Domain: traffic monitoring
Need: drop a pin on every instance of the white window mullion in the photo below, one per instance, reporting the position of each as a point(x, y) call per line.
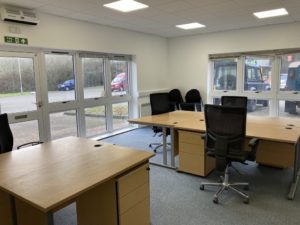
point(79, 96)
point(240, 76)
point(108, 106)
point(44, 96)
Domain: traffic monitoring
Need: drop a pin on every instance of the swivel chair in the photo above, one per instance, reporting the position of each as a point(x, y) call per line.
point(193, 101)
point(175, 98)
point(235, 101)
point(159, 104)
point(224, 140)
point(6, 136)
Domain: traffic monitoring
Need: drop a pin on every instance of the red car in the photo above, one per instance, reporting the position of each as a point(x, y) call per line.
point(120, 82)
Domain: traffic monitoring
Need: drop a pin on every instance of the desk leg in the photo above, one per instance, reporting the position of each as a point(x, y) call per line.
point(172, 147)
point(296, 174)
point(165, 159)
point(7, 209)
point(27, 214)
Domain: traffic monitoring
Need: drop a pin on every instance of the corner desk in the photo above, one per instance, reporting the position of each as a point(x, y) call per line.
point(109, 183)
point(277, 139)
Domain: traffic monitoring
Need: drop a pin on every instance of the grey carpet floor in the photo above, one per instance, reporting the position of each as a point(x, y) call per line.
point(177, 200)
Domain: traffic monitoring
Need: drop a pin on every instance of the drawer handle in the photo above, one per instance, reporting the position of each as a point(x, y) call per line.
point(148, 168)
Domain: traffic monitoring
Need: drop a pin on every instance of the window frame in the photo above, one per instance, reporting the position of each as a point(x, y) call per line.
point(274, 95)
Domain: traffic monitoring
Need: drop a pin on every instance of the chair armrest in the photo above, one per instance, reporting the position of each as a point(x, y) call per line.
point(29, 143)
point(253, 143)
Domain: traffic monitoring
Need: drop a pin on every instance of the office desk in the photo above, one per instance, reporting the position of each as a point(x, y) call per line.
point(278, 137)
point(39, 180)
point(167, 121)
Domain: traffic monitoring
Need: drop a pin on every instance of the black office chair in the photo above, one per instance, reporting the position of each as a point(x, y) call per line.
point(6, 136)
point(159, 104)
point(235, 101)
point(175, 98)
point(224, 140)
point(193, 101)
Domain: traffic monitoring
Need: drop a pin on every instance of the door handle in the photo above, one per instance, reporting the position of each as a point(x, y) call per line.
point(39, 104)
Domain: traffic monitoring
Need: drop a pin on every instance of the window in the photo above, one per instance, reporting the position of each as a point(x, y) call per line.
point(60, 77)
point(120, 115)
point(119, 78)
point(269, 80)
point(225, 72)
point(17, 85)
point(59, 94)
point(93, 76)
point(290, 73)
point(25, 132)
point(95, 120)
point(63, 124)
point(258, 74)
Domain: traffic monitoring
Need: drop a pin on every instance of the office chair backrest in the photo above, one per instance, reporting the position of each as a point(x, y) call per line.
point(235, 101)
point(6, 137)
point(193, 96)
point(193, 101)
point(160, 103)
point(175, 97)
point(225, 132)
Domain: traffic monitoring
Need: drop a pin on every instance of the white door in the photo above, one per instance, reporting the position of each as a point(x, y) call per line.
point(20, 96)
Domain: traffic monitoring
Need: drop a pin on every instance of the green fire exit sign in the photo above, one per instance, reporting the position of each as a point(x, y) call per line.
point(16, 40)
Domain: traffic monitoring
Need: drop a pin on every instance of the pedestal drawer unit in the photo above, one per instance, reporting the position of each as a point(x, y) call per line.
point(192, 158)
point(134, 197)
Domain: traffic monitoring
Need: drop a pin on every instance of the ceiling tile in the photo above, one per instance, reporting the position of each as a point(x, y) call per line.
point(162, 15)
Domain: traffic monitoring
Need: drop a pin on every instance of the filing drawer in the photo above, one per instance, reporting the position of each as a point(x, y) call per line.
point(138, 215)
point(275, 154)
point(191, 137)
point(131, 199)
point(198, 165)
point(131, 181)
point(191, 148)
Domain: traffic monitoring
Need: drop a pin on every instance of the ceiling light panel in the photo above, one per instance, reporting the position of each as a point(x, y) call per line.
point(126, 5)
point(190, 26)
point(271, 13)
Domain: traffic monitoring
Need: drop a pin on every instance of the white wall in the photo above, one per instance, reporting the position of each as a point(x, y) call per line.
point(188, 56)
point(60, 33)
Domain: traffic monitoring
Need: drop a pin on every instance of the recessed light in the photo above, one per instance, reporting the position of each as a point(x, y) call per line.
point(126, 5)
point(271, 13)
point(189, 26)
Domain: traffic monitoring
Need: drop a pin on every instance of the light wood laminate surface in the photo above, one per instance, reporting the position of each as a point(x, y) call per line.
point(51, 174)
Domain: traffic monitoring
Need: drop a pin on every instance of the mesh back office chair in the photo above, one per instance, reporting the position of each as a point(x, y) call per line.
point(175, 98)
point(193, 101)
point(225, 136)
point(235, 101)
point(159, 104)
point(6, 136)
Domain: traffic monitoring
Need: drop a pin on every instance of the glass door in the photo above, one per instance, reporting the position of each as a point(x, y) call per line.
point(61, 95)
point(20, 96)
point(118, 70)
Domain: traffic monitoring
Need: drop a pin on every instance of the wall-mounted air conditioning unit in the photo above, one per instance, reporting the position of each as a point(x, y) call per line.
point(18, 15)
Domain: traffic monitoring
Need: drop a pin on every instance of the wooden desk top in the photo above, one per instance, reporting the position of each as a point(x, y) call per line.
point(266, 128)
point(53, 173)
point(168, 119)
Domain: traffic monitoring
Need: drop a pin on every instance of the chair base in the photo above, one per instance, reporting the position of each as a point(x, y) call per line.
point(225, 185)
point(158, 146)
